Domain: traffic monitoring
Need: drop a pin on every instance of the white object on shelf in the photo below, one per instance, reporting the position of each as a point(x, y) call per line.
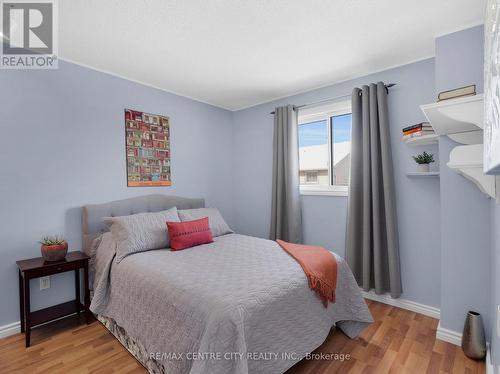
point(462, 119)
point(467, 160)
point(422, 140)
point(420, 174)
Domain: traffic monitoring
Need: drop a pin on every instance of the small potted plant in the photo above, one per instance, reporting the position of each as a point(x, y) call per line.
point(54, 248)
point(423, 160)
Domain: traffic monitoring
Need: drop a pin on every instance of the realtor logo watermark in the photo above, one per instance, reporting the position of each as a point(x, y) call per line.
point(29, 34)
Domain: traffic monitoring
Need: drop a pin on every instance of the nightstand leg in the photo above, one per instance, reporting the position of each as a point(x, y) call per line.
point(26, 283)
point(77, 290)
point(87, 292)
point(21, 300)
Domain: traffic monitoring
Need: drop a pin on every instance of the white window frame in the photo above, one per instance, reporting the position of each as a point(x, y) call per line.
point(324, 112)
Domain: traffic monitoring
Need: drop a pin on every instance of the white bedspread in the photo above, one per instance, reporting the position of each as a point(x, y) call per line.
point(238, 305)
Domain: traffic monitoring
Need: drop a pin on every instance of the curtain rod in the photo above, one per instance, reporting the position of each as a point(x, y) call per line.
point(387, 86)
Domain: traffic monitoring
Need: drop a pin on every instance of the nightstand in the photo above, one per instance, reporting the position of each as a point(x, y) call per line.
point(38, 267)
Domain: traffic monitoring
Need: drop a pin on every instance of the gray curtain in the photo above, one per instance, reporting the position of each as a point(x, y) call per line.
point(286, 216)
point(372, 249)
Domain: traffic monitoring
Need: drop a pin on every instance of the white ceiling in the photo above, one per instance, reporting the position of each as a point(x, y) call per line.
point(238, 53)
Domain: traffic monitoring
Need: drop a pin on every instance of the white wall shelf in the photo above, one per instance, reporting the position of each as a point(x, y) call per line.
point(467, 160)
point(462, 119)
point(422, 140)
point(430, 174)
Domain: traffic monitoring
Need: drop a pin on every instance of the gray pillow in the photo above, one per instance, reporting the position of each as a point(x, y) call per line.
point(141, 232)
point(92, 253)
point(217, 224)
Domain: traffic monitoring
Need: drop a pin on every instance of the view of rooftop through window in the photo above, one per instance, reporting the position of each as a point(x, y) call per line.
point(341, 149)
point(321, 142)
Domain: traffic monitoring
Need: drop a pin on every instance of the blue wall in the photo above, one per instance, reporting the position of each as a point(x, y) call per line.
point(324, 217)
point(62, 146)
point(465, 246)
point(459, 59)
point(320, 225)
point(465, 211)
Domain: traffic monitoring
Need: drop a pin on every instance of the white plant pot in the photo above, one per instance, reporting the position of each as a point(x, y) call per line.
point(423, 168)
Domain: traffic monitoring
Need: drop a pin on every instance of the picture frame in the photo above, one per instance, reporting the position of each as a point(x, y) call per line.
point(491, 161)
point(147, 147)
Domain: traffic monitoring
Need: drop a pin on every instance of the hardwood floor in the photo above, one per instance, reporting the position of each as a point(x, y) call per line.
point(399, 341)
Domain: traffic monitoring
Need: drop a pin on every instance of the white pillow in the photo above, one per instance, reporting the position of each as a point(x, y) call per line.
point(217, 224)
point(141, 232)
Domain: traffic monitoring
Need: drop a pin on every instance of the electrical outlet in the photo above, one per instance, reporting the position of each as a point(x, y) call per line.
point(44, 283)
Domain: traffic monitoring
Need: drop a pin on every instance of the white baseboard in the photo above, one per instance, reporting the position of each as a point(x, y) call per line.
point(449, 336)
point(10, 329)
point(15, 327)
point(403, 304)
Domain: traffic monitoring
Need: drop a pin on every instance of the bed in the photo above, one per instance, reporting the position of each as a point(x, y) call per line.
point(237, 305)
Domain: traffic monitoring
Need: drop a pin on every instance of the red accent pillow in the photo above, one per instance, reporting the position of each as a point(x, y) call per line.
point(189, 233)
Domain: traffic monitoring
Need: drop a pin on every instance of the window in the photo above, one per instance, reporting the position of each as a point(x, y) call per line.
point(325, 148)
point(311, 177)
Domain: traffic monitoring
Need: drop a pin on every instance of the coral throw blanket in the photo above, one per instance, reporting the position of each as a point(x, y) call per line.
point(319, 265)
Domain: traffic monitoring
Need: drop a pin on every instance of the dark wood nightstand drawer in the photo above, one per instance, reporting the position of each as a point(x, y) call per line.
point(50, 269)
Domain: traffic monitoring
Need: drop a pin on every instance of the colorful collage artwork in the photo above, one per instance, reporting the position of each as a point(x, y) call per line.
point(148, 149)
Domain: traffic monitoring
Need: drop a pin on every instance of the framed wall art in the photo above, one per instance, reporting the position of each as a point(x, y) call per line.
point(147, 138)
point(492, 88)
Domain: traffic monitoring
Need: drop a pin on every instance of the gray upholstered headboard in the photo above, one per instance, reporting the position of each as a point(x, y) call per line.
point(92, 214)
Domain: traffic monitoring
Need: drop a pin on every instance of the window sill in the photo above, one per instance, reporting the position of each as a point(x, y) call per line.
point(323, 193)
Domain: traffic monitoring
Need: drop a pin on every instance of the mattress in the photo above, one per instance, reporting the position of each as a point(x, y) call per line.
point(238, 305)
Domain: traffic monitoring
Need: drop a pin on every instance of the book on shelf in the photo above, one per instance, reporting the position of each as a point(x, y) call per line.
point(424, 126)
point(418, 134)
point(457, 92)
point(412, 131)
point(417, 126)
